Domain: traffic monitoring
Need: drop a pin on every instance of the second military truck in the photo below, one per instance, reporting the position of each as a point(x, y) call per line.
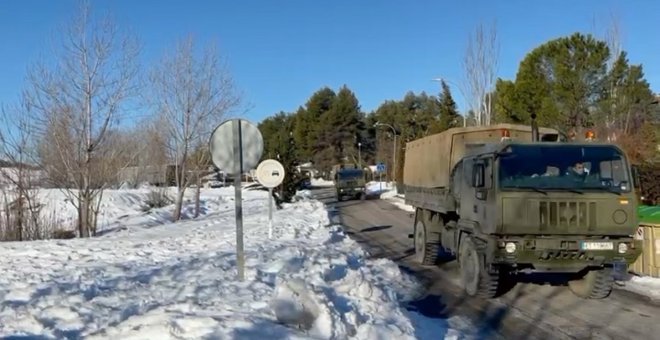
point(350, 181)
point(506, 199)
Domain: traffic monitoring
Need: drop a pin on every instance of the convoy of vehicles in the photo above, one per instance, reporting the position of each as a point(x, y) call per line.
point(505, 199)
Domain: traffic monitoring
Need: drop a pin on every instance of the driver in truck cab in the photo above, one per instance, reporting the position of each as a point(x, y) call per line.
point(577, 170)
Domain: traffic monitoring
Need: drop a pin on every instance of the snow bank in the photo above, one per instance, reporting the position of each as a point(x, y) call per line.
point(644, 285)
point(157, 280)
point(320, 182)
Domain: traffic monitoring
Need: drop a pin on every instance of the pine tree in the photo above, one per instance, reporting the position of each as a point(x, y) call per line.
point(449, 116)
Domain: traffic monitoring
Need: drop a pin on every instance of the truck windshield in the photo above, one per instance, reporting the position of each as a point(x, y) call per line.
point(350, 174)
point(564, 167)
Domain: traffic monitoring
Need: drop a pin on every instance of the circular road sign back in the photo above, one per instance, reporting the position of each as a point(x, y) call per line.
point(270, 173)
point(224, 139)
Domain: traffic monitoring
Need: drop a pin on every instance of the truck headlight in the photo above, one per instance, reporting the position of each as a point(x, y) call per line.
point(623, 248)
point(510, 247)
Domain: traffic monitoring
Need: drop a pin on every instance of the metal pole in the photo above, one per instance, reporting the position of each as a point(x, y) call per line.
point(394, 155)
point(238, 159)
point(360, 155)
point(270, 213)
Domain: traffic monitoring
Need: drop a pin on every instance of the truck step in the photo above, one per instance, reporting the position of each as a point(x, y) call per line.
point(411, 235)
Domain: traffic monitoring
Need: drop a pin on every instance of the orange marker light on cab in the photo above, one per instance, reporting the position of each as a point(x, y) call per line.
point(590, 135)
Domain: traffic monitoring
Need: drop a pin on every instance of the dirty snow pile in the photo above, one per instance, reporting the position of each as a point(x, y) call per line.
point(387, 191)
point(320, 182)
point(150, 280)
point(643, 285)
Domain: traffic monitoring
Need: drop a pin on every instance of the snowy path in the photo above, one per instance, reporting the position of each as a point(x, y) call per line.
point(178, 281)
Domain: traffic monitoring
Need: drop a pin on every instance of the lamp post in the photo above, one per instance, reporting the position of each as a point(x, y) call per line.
point(459, 89)
point(360, 155)
point(393, 148)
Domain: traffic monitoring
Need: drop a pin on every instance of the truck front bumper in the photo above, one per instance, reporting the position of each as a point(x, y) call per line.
point(566, 254)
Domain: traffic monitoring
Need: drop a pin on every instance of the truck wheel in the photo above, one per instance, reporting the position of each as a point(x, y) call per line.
point(363, 196)
point(596, 284)
point(426, 250)
point(478, 280)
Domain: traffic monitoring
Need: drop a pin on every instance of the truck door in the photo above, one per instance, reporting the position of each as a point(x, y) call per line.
point(479, 191)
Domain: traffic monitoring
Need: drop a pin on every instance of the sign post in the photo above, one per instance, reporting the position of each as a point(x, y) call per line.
point(270, 174)
point(380, 167)
point(236, 146)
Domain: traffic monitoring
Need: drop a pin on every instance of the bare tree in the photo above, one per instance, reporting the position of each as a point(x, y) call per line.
point(75, 102)
point(614, 43)
point(19, 178)
point(192, 95)
point(480, 65)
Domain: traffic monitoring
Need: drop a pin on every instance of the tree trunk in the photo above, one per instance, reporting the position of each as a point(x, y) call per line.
point(83, 215)
point(197, 195)
point(178, 204)
point(19, 215)
point(95, 214)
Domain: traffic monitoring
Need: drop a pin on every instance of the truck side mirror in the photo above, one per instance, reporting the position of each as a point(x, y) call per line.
point(635, 177)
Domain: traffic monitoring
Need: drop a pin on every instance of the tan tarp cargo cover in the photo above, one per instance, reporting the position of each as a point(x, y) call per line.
point(429, 160)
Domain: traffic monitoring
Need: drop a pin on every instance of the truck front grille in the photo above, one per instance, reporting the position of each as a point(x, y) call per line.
point(567, 214)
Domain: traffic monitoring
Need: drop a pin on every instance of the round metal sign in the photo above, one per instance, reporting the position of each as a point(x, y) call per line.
point(232, 139)
point(270, 173)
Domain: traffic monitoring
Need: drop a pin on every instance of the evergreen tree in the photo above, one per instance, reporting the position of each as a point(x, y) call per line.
point(288, 158)
point(449, 116)
point(562, 81)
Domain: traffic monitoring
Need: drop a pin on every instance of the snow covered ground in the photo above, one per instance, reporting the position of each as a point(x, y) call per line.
point(643, 285)
point(146, 278)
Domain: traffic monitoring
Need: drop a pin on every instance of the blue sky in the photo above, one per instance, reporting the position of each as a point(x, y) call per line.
point(280, 52)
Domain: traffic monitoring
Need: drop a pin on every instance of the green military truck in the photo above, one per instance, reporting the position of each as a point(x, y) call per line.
point(350, 181)
point(512, 199)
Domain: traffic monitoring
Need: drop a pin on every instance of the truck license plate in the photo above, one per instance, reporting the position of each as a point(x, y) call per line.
point(597, 245)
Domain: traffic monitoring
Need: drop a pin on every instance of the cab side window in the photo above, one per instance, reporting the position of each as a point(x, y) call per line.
point(478, 175)
point(468, 171)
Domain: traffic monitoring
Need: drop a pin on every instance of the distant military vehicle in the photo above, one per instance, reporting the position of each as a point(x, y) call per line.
point(506, 199)
point(350, 181)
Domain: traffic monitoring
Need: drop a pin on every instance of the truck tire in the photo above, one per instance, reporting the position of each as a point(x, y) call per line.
point(478, 279)
point(427, 247)
point(595, 284)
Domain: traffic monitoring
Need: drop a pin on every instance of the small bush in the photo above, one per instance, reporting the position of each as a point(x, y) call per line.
point(157, 199)
point(62, 234)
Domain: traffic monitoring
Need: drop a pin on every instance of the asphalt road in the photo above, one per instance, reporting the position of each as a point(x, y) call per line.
point(530, 310)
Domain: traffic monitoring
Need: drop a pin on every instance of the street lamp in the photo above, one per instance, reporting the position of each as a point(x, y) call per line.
point(360, 155)
point(377, 124)
point(459, 89)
